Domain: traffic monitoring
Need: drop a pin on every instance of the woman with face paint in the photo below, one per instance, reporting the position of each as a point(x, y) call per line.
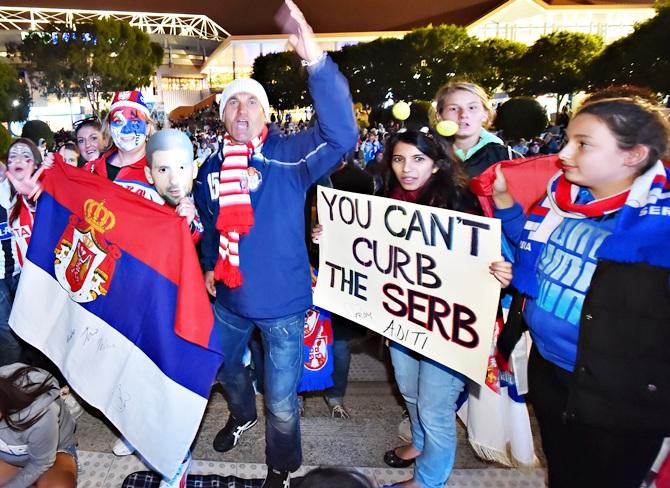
point(16, 224)
point(128, 125)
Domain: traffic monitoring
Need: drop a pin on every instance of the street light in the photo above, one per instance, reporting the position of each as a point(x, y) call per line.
point(15, 103)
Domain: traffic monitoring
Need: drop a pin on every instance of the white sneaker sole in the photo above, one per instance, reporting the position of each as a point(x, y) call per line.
point(122, 448)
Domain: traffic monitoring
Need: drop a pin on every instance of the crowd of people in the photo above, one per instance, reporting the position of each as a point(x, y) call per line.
point(591, 269)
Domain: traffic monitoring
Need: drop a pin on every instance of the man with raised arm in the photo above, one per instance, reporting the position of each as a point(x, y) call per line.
point(251, 196)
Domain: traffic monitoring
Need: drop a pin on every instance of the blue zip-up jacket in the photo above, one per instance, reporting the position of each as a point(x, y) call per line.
point(273, 256)
point(564, 274)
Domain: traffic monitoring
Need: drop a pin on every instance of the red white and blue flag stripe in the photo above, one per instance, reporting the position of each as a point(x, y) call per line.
point(112, 293)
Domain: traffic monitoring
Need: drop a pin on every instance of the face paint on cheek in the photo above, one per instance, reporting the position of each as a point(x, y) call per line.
point(129, 135)
point(128, 129)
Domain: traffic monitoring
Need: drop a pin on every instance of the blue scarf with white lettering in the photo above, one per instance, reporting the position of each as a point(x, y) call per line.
point(640, 236)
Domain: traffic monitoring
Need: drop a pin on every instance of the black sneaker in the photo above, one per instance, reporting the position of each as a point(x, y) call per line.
point(229, 436)
point(277, 479)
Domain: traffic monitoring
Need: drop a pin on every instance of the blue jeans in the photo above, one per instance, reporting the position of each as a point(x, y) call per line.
point(10, 348)
point(283, 347)
point(430, 391)
point(341, 361)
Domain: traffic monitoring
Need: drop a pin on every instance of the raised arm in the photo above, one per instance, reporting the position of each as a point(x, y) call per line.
point(335, 132)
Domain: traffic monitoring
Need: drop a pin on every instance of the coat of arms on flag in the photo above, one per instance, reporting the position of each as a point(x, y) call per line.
point(85, 261)
point(126, 317)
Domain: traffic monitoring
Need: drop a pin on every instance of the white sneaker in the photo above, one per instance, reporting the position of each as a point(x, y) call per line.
point(122, 447)
point(71, 403)
point(179, 479)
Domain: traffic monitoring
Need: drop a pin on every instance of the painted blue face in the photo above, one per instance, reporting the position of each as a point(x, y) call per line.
point(129, 128)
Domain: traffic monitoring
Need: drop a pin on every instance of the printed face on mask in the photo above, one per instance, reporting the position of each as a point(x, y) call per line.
point(129, 128)
point(172, 173)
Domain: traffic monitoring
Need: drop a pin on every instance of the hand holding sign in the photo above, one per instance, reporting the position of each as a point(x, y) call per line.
point(502, 271)
point(424, 277)
point(317, 232)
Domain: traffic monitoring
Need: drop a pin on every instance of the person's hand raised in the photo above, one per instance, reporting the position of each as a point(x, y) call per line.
point(291, 21)
point(29, 187)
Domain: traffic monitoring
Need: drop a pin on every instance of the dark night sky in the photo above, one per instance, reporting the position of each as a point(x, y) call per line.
point(256, 16)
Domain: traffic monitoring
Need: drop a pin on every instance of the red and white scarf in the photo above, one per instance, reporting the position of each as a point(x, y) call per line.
point(236, 216)
point(22, 227)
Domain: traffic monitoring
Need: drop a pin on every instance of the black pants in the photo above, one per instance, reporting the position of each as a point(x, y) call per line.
point(580, 455)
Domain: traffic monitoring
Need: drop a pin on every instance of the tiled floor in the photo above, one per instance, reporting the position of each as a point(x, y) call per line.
point(358, 442)
point(103, 470)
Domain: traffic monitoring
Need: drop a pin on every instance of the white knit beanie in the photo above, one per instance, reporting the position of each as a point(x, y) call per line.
point(245, 85)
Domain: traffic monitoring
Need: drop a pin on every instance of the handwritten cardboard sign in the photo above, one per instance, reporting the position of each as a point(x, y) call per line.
point(415, 274)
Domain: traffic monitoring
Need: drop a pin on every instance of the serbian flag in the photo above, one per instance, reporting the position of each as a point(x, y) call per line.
point(527, 180)
point(111, 291)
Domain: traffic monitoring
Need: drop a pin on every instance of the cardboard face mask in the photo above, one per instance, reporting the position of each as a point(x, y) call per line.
point(129, 128)
point(172, 173)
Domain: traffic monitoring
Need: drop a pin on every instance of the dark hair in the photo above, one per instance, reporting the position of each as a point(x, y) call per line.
point(91, 121)
point(71, 146)
point(622, 91)
point(447, 188)
point(17, 392)
point(335, 477)
point(633, 122)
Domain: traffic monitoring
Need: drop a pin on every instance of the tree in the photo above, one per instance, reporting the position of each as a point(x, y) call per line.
point(389, 69)
point(101, 57)
point(497, 60)
point(640, 58)
point(438, 54)
point(376, 70)
point(5, 141)
point(521, 117)
point(556, 63)
point(14, 95)
point(284, 79)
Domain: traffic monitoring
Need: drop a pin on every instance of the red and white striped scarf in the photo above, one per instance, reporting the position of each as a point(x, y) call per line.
point(236, 216)
point(22, 227)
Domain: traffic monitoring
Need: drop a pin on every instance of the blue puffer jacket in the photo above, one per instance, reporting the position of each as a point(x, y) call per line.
point(273, 256)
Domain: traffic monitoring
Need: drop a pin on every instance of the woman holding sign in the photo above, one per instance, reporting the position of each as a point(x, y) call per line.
point(418, 168)
point(594, 264)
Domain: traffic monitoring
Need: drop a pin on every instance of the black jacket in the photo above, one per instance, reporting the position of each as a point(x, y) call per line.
point(621, 380)
point(486, 156)
point(622, 373)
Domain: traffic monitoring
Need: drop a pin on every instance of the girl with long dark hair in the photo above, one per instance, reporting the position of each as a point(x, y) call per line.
point(37, 443)
point(419, 168)
point(16, 223)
